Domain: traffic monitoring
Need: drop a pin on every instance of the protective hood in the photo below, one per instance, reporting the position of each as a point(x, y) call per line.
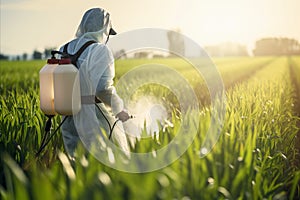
point(96, 25)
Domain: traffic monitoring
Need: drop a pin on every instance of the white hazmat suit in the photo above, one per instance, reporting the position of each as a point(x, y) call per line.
point(96, 70)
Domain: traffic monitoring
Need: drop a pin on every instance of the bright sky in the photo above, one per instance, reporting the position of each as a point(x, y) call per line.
point(35, 24)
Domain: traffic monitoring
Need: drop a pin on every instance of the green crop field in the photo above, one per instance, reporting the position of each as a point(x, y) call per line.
point(256, 157)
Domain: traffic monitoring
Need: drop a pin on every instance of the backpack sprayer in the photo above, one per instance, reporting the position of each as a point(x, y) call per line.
point(60, 91)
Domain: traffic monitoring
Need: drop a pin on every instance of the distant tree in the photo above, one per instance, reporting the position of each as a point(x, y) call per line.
point(120, 54)
point(37, 55)
point(176, 42)
point(276, 47)
point(3, 57)
point(141, 55)
point(24, 56)
point(47, 52)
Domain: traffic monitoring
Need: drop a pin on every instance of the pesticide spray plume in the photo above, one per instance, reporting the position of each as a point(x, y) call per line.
point(149, 114)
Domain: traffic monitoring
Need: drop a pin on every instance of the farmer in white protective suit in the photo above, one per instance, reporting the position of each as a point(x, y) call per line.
point(96, 69)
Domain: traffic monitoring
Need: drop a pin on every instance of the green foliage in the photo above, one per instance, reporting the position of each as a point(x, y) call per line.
point(255, 157)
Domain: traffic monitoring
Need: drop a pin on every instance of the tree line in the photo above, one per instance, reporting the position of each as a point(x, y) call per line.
point(271, 46)
point(227, 49)
point(276, 47)
point(36, 55)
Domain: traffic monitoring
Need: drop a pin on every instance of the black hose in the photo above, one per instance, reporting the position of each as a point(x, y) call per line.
point(47, 131)
point(48, 128)
point(110, 134)
point(111, 128)
point(104, 116)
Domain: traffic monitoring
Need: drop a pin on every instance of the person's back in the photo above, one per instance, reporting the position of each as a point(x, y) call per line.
point(96, 69)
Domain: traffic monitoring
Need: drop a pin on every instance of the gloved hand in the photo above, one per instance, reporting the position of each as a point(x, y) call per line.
point(123, 115)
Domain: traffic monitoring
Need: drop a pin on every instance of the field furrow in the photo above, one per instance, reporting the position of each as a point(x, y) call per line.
point(233, 74)
point(294, 64)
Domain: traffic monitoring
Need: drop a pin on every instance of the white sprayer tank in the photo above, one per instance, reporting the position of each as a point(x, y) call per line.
point(66, 88)
point(46, 87)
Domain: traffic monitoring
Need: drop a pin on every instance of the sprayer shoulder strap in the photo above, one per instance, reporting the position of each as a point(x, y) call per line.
point(75, 56)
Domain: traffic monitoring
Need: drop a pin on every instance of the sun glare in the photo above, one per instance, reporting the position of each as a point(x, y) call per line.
point(216, 23)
